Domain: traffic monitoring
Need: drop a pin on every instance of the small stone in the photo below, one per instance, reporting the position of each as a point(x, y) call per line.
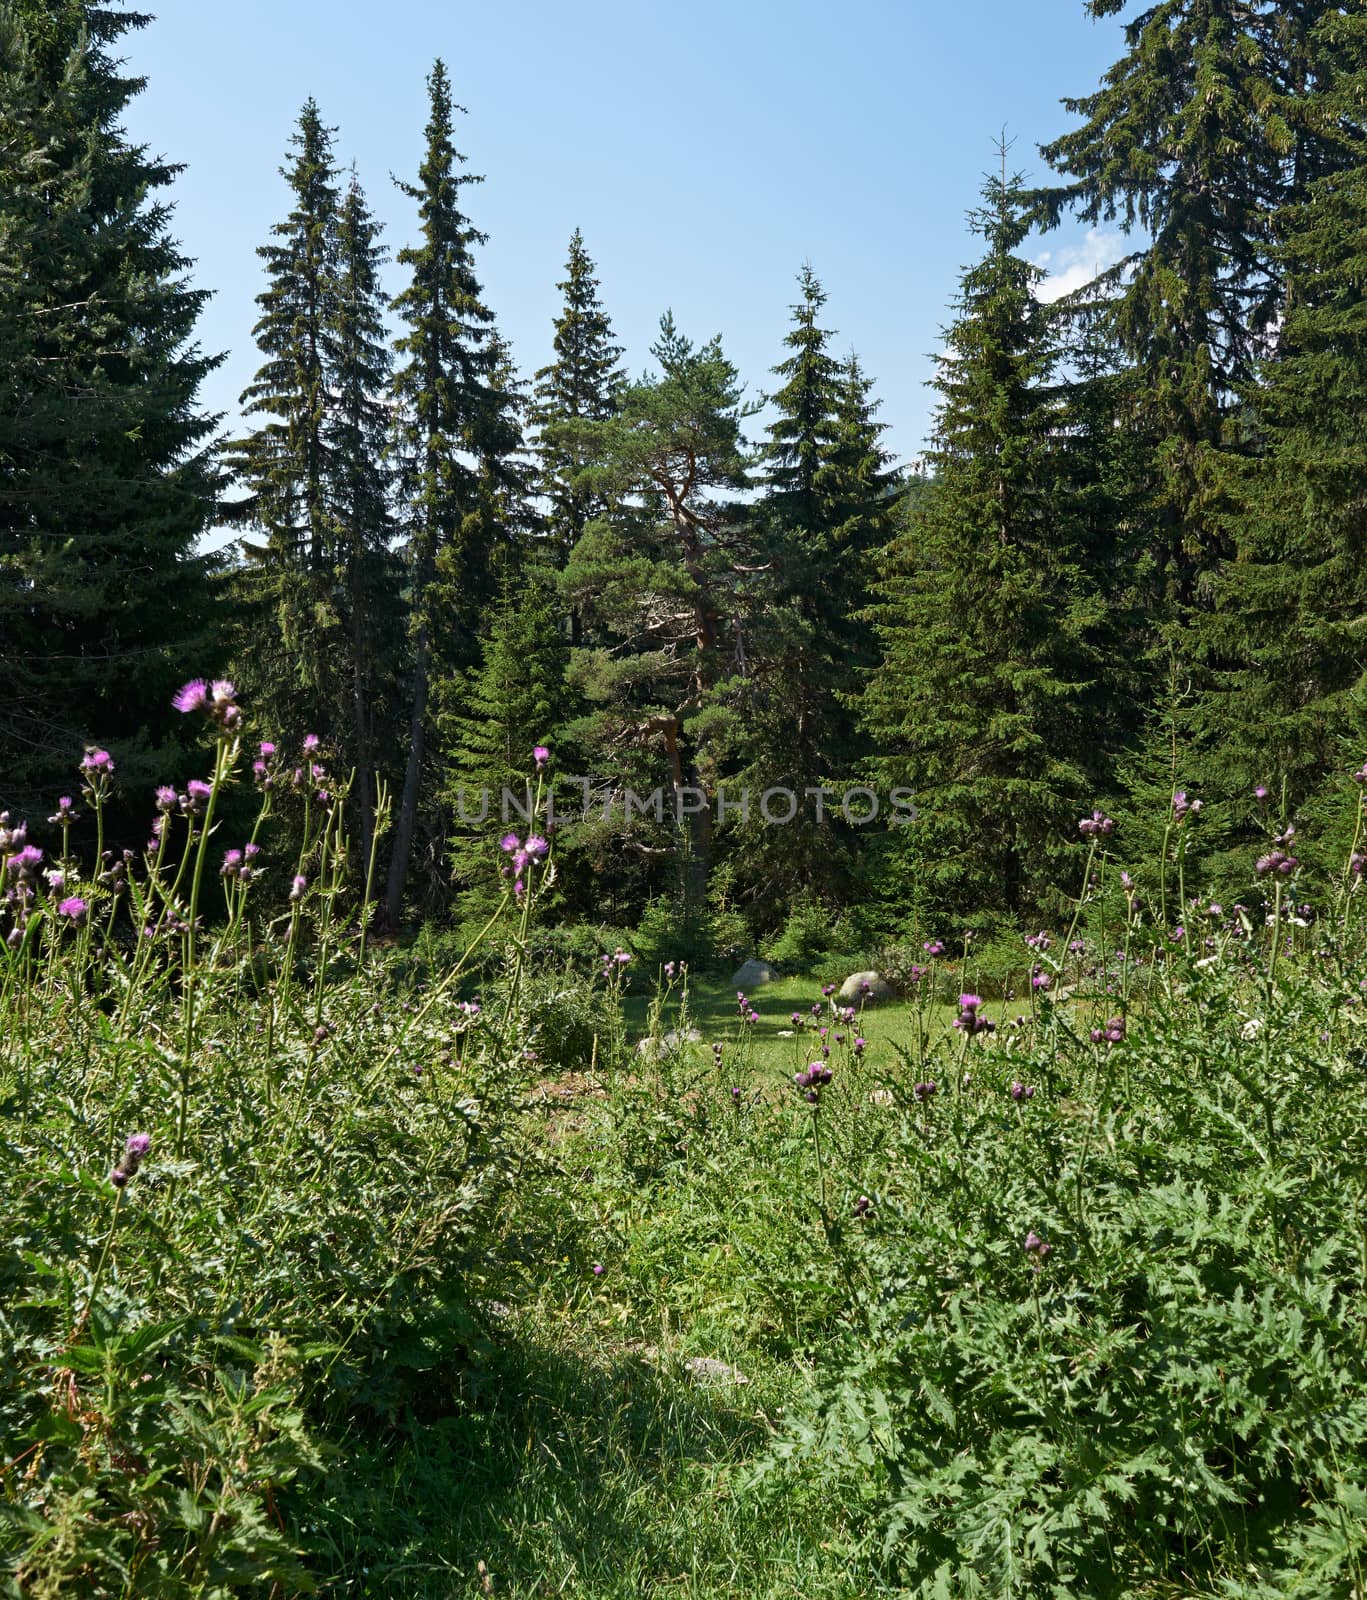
point(707, 1370)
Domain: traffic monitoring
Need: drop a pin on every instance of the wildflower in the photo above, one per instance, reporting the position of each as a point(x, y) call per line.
point(859, 1046)
point(669, 969)
point(311, 743)
point(267, 749)
point(1360, 776)
point(167, 798)
point(861, 1206)
point(97, 763)
point(923, 1091)
point(540, 754)
point(1277, 861)
point(193, 697)
point(64, 815)
point(232, 864)
point(24, 863)
point(73, 909)
point(1035, 1245)
point(969, 1021)
point(933, 947)
point(1260, 792)
point(298, 888)
point(1098, 825)
point(827, 989)
point(509, 842)
point(135, 1149)
point(536, 846)
point(56, 882)
point(813, 1081)
point(1022, 1091)
point(1038, 941)
point(1041, 980)
point(1182, 806)
point(598, 1269)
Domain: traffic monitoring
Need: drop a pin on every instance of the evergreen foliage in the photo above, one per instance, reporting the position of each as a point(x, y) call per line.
point(990, 621)
point(583, 383)
point(451, 428)
point(106, 483)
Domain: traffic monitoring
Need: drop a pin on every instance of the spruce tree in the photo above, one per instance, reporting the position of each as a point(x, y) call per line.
point(492, 721)
point(1197, 136)
point(1287, 642)
point(366, 573)
point(827, 500)
point(583, 383)
point(286, 591)
point(106, 485)
point(989, 626)
point(448, 416)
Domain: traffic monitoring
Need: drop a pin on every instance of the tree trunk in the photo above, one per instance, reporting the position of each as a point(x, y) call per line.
point(408, 804)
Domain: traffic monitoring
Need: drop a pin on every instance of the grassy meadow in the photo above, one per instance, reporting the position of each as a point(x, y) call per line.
point(328, 1272)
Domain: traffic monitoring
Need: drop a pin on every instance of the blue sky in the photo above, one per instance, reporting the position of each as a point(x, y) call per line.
point(706, 151)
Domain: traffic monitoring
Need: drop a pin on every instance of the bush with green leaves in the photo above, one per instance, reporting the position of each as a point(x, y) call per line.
point(248, 1183)
point(1101, 1328)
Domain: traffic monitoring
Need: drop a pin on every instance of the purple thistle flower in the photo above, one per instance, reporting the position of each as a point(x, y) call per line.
point(135, 1149)
point(25, 863)
point(1182, 806)
point(1098, 825)
point(267, 749)
point(97, 763)
point(509, 842)
point(1021, 1091)
point(196, 796)
point(298, 888)
point(1260, 792)
point(73, 909)
point(193, 697)
point(540, 754)
point(232, 864)
point(536, 846)
point(311, 743)
point(933, 947)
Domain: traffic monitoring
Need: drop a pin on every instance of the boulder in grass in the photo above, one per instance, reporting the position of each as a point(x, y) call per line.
point(867, 987)
point(668, 1043)
point(752, 973)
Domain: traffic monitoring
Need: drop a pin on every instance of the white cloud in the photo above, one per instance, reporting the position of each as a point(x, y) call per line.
point(1072, 266)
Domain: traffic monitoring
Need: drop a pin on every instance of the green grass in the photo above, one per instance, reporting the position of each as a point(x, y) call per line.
point(773, 1046)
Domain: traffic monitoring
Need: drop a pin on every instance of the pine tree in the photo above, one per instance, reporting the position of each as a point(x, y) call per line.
point(447, 417)
point(358, 491)
point(105, 482)
point(657, 587)
point(286, 592)
point(989, 626)
point(583, 383)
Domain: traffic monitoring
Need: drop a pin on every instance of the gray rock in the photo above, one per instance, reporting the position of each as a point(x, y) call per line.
point(753, 972)
point(708, 1370)
point(853, 990)
point(668, 1043)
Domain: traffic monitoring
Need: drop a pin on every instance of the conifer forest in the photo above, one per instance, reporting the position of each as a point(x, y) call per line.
point(616, 981)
